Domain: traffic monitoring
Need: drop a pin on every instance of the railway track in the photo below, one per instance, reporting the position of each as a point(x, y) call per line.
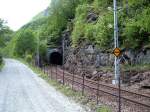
point(129, 98)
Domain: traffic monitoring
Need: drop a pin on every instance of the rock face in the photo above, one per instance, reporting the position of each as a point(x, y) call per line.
point(85, 60)
point(140, 57)
point(89, 60)
point(143, 57)
point(91, 17)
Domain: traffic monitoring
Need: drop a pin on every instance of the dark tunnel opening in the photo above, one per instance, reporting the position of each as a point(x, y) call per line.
point(56, 58)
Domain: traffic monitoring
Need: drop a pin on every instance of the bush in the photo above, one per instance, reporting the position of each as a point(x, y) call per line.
point(1, 61)
point(28, 58)
point(1, 58)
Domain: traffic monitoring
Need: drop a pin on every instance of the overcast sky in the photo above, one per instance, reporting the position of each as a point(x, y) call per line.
point(19, 12)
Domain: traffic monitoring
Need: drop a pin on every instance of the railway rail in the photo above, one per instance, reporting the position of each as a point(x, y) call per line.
point(140, 102)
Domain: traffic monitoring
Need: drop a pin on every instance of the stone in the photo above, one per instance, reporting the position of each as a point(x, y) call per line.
point(91, 17)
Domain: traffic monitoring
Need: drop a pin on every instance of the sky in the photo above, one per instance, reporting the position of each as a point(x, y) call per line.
point(19, 12)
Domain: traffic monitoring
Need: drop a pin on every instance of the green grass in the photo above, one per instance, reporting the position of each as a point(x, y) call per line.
point(137, 68)
point(103, 109)
point(105, 68)
point(124, 68)
point(67, 91)
point(1, 66)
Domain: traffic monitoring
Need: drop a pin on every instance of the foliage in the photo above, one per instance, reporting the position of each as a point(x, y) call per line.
point(5, 33)
point(43, 50)
point(25, 43)
point(62, 11)
point(98, 32)
point(137, 30)
point(134, 26)
point(8, 51)
point(103, 109)
point(28, 58)
point(1, 60)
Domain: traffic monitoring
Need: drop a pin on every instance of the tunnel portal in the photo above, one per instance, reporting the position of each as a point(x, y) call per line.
point(55, 58)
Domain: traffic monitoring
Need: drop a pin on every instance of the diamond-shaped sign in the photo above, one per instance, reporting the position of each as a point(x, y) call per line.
point(117, 52)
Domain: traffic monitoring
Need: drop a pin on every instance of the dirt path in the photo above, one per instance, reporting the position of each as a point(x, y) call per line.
point(21, 90)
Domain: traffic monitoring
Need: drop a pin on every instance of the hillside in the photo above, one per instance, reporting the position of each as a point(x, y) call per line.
point(42, 14)
point(86, 23)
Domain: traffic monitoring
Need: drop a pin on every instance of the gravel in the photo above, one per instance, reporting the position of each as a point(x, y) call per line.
point(21, 90)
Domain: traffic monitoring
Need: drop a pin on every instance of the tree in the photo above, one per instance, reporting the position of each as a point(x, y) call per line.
point(25, 43)
point(5, 33)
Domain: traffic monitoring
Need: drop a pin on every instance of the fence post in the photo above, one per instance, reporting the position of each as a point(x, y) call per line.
point(73, 79)
point(48, 71)
point(83, 75)
point(63, 76)
point(51, 71)
point(98, 90)
point(44, 68)
point(56, 72)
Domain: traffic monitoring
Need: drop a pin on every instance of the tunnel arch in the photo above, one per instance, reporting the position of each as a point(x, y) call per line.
point(55, 58)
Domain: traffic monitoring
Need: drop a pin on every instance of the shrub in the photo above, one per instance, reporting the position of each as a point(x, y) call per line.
point(1, 60)
point(28, 58)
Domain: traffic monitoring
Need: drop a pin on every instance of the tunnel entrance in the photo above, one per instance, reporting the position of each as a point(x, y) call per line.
point(56, 58)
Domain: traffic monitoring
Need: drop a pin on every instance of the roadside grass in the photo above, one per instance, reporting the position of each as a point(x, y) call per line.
point(89, 105)
point(2, 65)
point(137, 68)
point(103, 109)
point(126, 67)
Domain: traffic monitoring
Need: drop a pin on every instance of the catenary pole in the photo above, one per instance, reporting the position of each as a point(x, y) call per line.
point(116, 44)
point(117, 67)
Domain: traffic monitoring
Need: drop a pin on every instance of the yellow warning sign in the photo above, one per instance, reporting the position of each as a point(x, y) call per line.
point(117, 52)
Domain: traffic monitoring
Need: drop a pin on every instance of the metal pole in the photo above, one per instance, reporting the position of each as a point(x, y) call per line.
point(98, 89)
point(127, 7)
point(117, 67)
point(83, 85)
point(117, 74)
point(56, 72)
point(51, 71)
point(73, 79)
point(63, 61)
point(119, 86)
point(83, 76)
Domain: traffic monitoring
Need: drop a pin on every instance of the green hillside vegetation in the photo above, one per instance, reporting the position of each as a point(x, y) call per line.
point(5, 37)
point(134, 25)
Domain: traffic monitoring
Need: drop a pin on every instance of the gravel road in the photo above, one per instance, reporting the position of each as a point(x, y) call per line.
point(21, 90)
